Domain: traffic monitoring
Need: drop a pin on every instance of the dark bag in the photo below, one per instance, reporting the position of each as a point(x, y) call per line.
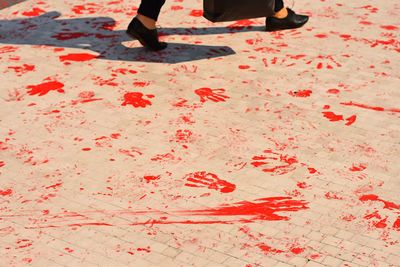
point(230, 10)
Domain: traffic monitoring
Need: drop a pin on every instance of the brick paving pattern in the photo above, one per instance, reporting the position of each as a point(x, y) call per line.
point(233, 147)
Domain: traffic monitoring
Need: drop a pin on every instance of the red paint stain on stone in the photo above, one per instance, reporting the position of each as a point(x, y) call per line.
point(196, 13)
point(387, 204)
point(244, 67)
point(297, 250)
point(333, 91)
point(78, 57)
point(321, 35)
point(86, 149)
point(210, 181)
point(358, 167)
point(136, 100)
point(2, 164)
point(301, 93)
point(150, 178)
point(375, 108)
point(69, 35)
point(34, 12)
point(7, 192)
point(20, 70)
point(332, 116)
point(350, 120)
point(44, 88)
point(215, 95)
point(268, 250)
point(273, 162)
point(389, 27)
point(144, 249)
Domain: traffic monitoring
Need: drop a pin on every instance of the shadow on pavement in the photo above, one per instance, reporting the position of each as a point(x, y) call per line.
point(96, 34)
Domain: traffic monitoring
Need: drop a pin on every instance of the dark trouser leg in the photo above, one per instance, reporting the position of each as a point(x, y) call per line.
point(278, 5)
point(151, 8)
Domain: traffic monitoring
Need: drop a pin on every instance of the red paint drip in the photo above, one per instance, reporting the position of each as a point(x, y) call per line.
point(79, 57)
point(136, 100)
point(210, 181)
point(396, 110)
point(301, 93)
point(44, 88)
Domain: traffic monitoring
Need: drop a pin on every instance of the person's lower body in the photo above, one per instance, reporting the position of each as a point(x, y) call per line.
point(143, 26)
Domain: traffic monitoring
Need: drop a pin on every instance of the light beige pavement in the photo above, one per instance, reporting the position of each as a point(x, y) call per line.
point(233, 147)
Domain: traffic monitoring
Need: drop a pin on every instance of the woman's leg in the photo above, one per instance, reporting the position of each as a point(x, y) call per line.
point(148, 12)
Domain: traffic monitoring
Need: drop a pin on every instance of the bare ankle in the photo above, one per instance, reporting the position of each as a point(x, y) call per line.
point(281, 14)
point(148, 22)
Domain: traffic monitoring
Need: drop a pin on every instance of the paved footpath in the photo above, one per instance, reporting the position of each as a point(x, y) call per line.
point(233, 147)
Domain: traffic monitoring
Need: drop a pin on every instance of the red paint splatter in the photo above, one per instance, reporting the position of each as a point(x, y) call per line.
point(312, 170)
point(268, 250)
point(396, 110)
point(348, 218)
point(7, 192)
point(332, 116)
point(86, 149)
point(79, 57)
point(330, 195)
point(144, 249)
point(210, 181)
point(321, 35)
point(297, 250)
point(136, 100)
point(396, 224)
point(273, 162)
point(302, 185)
point(196, 13)
point(183, 136)
point(244, 67)
point(20, 70)
point(387, 204)
point(333, 91)
point(358, 168)
point(389, 27)
point(150, 178)
point(301, 93)
point(34, 12)
point(215, 95)
point(2, 164)
point(69, 35)
point(351, 120)
point(44, 88)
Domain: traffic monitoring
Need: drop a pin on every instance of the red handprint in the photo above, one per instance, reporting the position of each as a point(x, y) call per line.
point(215, 95)
point(136, 100)
point(274, 162)
point(209, 180)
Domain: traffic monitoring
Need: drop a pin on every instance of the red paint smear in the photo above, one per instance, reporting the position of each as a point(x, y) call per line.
point(387, 204)
point(264, 209)
point(348, 218)
point(144, 249)
point(86, 149)
point(151, 178)
point(389, 27)
point(136, 100)
point(215, 95)
point(297, 250)
point(279, 164)
point(44, 88)
point(69, 35)
point(301, 93)
point(332, 116)
point(333, 91)
point(330, 195)
point(79, 57)
point(396, 224)
point(22, 69)
point(241, 24)
point(312, 170)
point(244, 67)
point(7, 192)
point(351, 120)
point(321, 35)
point(210, 181)
point(358, 168)
point(196, 13)
point(54, 186)
point(302, 185)
point(370, 107)
point(183, 136)
point(34, 12)
point(2, 164)
point(176, 8)
point(268, 250)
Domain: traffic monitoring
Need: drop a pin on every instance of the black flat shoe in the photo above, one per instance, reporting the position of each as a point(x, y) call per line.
point(291, 21)
point(148, 38)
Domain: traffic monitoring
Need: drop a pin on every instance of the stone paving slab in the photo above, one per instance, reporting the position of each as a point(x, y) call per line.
point(233, 147)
